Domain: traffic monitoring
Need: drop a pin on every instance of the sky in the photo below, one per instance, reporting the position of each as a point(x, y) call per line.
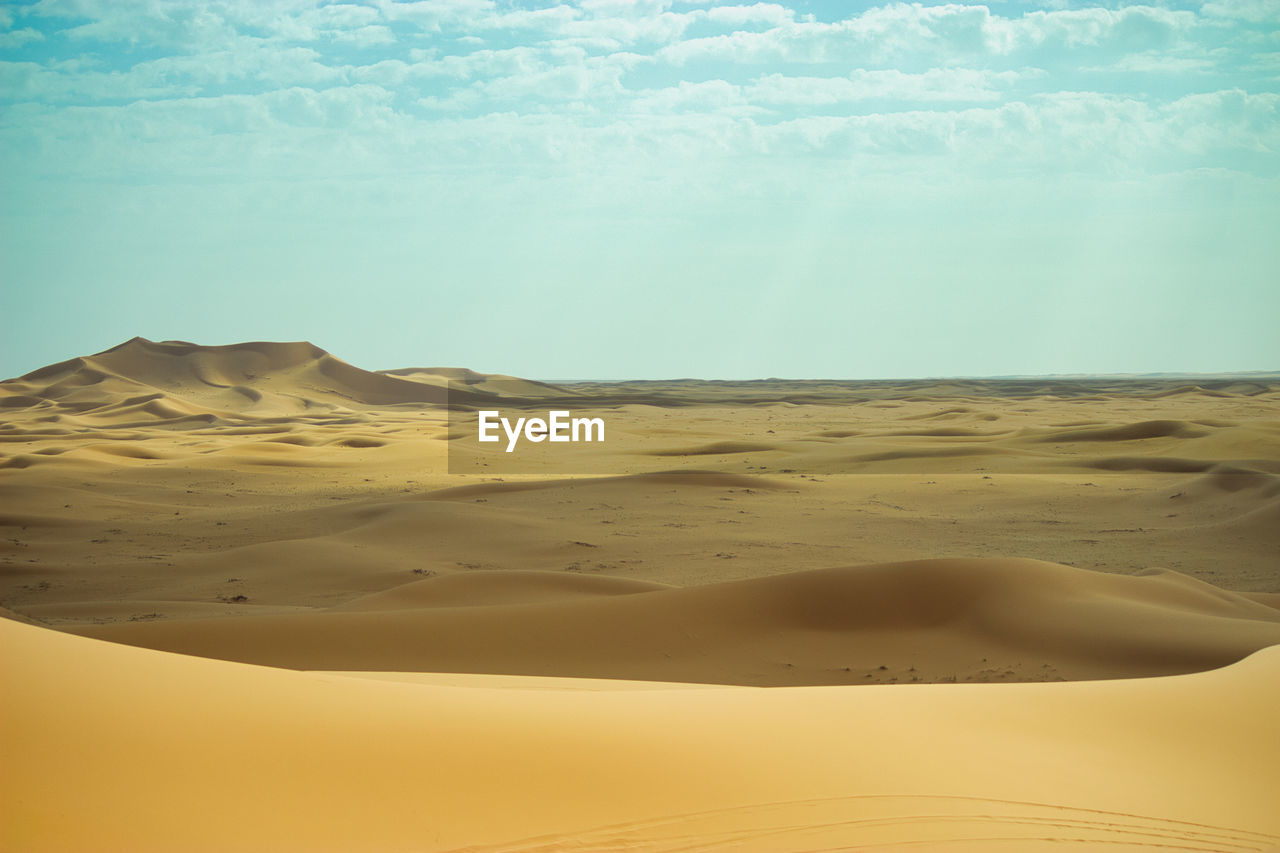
point(617, 189)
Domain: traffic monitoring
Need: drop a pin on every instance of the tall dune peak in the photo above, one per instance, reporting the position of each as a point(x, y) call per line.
point(277, 351)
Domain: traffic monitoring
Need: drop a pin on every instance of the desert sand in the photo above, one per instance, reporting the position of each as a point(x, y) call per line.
point(248, 606)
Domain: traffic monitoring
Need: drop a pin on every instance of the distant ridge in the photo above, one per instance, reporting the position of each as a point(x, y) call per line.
point(142, 382)
point(1226, 374)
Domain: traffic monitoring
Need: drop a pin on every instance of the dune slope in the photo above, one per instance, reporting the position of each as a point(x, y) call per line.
point(110, 747)
point(928, 620)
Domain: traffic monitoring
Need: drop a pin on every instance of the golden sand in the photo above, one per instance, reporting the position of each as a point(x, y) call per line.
point(322, 640)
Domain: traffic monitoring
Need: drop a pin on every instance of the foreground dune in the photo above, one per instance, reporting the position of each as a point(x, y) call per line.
point(109, 747)
point(932, 620)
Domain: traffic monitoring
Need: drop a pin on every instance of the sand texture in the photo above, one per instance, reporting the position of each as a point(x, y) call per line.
point(145, 750)
point(959, 615)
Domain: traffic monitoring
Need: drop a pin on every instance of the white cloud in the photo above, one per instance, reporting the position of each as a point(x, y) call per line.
point(759, 13)
point(1226, 120)
point(17, 38)
point(366, 36)
point(566, 82)
point(1131, 28)
point(604, 25)
point(531, 77)
point(1247, 10)
point(888, 33)
point(707, 97)
point(237, 59)
point(625, 8)
point(341, 16)
point(1154, 62)
point(936, 85)
point(159, 22)
point(345, 23)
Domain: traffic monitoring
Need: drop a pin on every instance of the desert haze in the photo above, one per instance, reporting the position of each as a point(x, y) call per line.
point(258, 598)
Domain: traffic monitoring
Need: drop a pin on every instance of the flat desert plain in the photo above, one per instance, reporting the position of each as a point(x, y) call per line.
point(258, 598)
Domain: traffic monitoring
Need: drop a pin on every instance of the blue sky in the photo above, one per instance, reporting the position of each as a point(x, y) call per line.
point(648, 188)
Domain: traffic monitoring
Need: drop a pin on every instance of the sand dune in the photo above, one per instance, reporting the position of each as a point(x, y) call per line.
point(145, 382)
point(1230, 479)
point(1129, 432)
point(140, 750)
point(497, 384)
point(924, 621)
point(565, 657)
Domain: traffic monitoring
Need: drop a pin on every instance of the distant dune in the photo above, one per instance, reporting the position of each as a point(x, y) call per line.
point(172, 380)
point(496, 384)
